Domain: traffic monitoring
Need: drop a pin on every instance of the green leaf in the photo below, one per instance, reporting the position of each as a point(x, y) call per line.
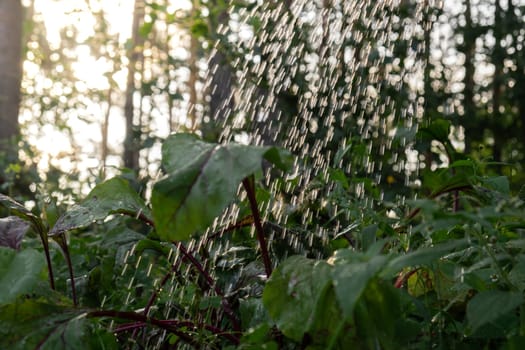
point(16, 207)
point(425, 256)
point(339, 176)
point(498, 183)
point(19, 272)
point(379, 314)
point(454, 182)
point(293, 294)
point(516, 342)
point(253, 313)
point(114, 196)
point(279, 157)
point(180, 150)
point(488, 306)
point(153, 245)
point(202, 179)
point(35, 323)
point(22, 212)
point(120, 236)
point(468, 163)
point(368, 236)
point(145, 29)
point(157, 7)
point(438, 130)
point(257, 338)
point(517, 275)
point(351, 279)
point(199, 28)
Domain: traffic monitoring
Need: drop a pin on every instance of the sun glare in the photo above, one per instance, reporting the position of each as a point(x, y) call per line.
point(92, 75)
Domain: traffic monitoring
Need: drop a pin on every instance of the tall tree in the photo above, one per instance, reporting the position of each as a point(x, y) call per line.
point(131, 143)
point(513, 16)
point(469, 50)
point(498, 57)
point(194, 69)
point(220, 85)
point(11, 19)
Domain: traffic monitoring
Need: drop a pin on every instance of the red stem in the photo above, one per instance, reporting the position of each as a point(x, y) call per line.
point(137, 215)
point(45, 244)
point(163, 282)
point(211, 283)
point(403, 277)
point(249, 186)
point(169, 325)
point(456, 189)
point(62, 242)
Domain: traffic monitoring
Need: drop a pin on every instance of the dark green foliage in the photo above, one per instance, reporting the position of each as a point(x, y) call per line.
point(19, 272)
point(114, 196)
point(193, 170)
point(31, 323)
point(448, 272)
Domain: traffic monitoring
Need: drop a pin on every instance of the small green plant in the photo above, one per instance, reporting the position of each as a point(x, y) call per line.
point(200, 180)
point(447, 272)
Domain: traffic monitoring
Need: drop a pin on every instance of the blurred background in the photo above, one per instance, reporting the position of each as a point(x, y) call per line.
point(88, 87)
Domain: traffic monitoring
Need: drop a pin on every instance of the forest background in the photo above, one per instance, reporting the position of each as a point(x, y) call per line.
point(399, 222)
point(99, 88)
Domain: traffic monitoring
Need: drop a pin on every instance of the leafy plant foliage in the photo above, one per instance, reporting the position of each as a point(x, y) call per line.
point(447, 270)
point(193, 193)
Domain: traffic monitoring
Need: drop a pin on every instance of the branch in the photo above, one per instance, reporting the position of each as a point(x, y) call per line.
point(62, 242)
point(249, 186)
point(244, 222)
point(455, 189)
point(168, 325)
point(163, 282)
point(211, 283)
point(137, 215)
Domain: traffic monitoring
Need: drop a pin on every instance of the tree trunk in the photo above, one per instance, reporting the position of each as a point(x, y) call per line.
point(469, 52)
point(132, 141)
point(220, 86)
point(497, 60)
point(11, 20)
point(194, 71)
point(519, 58)
point(105, 130)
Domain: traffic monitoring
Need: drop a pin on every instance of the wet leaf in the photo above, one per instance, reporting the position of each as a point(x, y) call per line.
point(22, 212)
point(35, 323)
point(12, 231)
point(293, 294)
point(13, 205)
point(377, 314)
point(258, 338)
point(202, 179)
point(463, 163)
point(426, 255)
point(351, 279)
point(253, 313)
point(114, 196)
point(498, 183)
point(19, 272)
point(488, 306)
point(437, 130)
point(447, 184)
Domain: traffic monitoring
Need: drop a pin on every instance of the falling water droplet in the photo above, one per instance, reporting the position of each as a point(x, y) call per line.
point(315, 81)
